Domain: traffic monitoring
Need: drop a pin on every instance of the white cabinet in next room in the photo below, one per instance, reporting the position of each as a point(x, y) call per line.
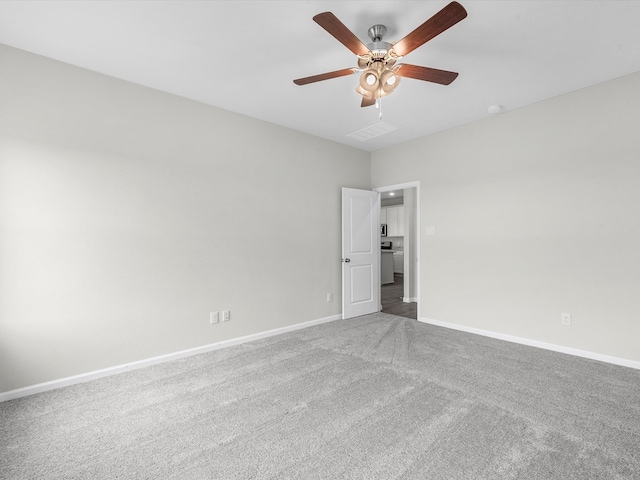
point(395, 220)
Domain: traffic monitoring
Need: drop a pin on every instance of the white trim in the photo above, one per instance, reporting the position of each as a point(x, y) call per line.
point(106, 372)
point(409, 299)
point(535, 343)
point(397, 186)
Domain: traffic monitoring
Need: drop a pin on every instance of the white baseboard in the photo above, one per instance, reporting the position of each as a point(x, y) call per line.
point(410, 299)
point(535, 343)
point(85, 377)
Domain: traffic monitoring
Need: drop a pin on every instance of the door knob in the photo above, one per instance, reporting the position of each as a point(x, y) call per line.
point(346, 260)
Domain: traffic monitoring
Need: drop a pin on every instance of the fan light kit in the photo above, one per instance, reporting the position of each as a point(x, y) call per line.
point(377, 61)
point(379, 77)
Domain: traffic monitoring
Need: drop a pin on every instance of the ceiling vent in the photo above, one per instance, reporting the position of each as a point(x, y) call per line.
point(372, 131)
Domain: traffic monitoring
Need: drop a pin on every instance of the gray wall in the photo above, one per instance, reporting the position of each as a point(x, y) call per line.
point(127, 215)
point(537, 212)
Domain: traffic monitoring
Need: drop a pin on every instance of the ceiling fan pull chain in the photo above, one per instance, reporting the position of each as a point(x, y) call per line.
point(379, 107)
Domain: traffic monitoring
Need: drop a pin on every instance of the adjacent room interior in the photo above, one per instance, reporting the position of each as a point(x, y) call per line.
point(159, 205)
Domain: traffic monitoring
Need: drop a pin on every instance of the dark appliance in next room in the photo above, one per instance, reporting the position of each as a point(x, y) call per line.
point(385, 245)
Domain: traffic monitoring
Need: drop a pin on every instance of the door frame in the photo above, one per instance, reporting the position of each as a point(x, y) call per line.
point(401, 186)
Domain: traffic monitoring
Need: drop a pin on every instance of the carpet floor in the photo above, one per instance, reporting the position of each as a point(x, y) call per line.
point(375, 397)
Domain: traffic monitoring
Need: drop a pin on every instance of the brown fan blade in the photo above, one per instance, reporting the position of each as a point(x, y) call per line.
point(444, 19)
point(325, 76)
point(367, 101)
point(335, 27)
point(443, 77)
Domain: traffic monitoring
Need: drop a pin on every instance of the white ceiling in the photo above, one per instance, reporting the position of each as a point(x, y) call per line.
point(243, 55)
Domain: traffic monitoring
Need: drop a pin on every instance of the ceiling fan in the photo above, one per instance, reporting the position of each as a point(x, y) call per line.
point(378, 60)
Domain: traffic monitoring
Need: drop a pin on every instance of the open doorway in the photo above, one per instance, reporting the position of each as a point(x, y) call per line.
point(400, 272)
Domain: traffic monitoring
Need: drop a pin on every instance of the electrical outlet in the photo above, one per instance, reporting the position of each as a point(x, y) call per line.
point(565, 319)
point(214, 317)
point(226, 315)
point(329, 297)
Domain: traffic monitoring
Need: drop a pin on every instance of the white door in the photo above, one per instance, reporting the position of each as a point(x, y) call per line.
point(360, 252)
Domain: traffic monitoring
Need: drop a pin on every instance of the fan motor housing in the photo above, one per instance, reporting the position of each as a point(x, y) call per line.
point(379, 49)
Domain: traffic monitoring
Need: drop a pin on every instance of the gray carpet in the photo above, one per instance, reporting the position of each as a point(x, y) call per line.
point(376, 397)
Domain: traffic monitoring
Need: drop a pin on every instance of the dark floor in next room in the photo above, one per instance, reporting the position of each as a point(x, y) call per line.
point(391, 296)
